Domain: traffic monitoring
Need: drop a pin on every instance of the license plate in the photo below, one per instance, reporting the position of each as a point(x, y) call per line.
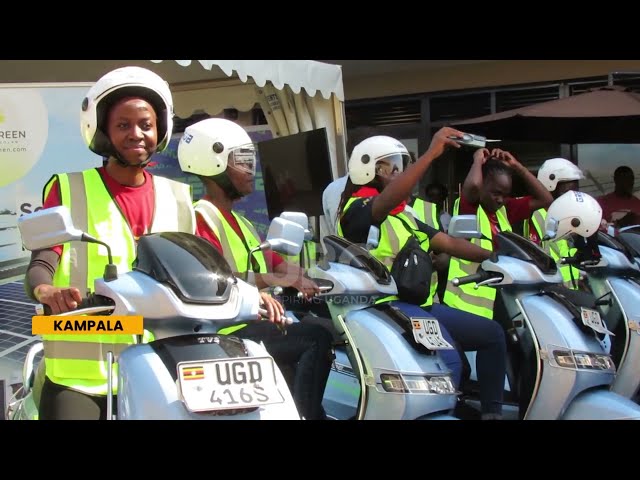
point(426, 331)
point(230, 383)
point(591, 318)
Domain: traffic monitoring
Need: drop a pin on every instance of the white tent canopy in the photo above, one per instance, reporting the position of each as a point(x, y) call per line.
point(287, 91)
point(295, 95)
point(297, 74)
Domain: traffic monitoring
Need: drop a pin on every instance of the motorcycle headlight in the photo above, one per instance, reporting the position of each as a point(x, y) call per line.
point(582, 360)
point(397, 383)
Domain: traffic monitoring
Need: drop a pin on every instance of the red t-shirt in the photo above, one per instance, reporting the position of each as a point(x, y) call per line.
point(533, 233)
point(136, 203)
point(518, 209)
point(272, 259)
point(613, 203)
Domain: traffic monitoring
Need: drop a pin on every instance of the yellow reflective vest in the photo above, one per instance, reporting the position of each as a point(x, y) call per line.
point(426, 212)
point(556, 249)
point(307, 256)
point(234, 249)
point(466, 297)
point(79, 361)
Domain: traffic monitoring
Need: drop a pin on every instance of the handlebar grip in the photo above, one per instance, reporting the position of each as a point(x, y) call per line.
point(474, 278)
point(569, 261)
point(90, 301)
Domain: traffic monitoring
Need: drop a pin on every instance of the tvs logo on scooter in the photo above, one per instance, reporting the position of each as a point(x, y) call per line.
point(208, 340)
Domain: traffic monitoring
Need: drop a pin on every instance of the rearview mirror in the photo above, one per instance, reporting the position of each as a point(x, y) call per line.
point(285, 237)
point(47, 228)
point(301, 219)
point(464, 226)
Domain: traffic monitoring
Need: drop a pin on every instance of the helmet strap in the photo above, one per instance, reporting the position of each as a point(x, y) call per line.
point(224, 182)
point(113, 153)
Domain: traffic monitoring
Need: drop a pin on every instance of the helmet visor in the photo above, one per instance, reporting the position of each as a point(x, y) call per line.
point(243, 158)
point(391, 164)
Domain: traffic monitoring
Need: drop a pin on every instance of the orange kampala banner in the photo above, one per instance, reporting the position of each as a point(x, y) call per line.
point(87, 324)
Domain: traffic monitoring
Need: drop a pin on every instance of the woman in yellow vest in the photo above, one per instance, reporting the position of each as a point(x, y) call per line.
point(374, 196)
point(126, 117)
point(486, 193)
point(558, 175)
point(222, 155)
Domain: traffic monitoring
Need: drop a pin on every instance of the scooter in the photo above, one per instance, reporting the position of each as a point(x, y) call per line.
point(557, 365)
point(612, 274)
point(186, 293)
point(386, 364)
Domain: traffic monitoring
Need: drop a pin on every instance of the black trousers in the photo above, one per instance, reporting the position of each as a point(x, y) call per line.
point(304, 355)
point(61, 403)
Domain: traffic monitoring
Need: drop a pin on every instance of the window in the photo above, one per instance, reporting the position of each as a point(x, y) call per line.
point(599, 161)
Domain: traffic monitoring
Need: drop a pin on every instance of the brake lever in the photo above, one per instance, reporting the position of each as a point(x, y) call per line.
point(488, 281)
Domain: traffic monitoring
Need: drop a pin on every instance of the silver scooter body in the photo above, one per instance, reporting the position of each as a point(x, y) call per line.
point(147, 386)
point(381, 372)
point(570, 369)
point(616, 278)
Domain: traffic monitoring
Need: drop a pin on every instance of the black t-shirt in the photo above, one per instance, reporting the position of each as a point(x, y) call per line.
point(358, 218)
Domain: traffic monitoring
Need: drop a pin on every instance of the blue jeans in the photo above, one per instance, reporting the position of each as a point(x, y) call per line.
point(471, 333)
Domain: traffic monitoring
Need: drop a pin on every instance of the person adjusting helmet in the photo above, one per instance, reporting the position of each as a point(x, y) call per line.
point(126, 117)
point(114, 86)
point(210, 147)
point(558, 170)
point(377, 156)
point(373, 213)
point(221, 154)
point(573, 213)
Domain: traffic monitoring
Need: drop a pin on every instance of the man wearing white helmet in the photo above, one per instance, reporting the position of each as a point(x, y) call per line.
point(375, 196)
point(126, 117)
point(221, 154)
point(558, 175)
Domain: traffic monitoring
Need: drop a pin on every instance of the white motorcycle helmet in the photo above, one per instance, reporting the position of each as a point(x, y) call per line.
point(117, 84)
point(557, 170)
point(209, 146)
point(365, 156)
point(573, 212)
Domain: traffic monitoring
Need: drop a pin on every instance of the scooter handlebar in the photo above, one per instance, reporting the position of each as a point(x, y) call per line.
point(474, 278)
point(265, 316)
point(90, 304)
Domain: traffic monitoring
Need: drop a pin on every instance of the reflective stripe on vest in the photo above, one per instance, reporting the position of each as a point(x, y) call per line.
point(234, 249)
point(393, 236)
point(426, 212)
point(467, 297)
point(79, 361)
point(309, 248)
point(556, 249)
point(456, 206)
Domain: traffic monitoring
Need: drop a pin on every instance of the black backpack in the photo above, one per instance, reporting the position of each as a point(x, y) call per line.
point(412, 270)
